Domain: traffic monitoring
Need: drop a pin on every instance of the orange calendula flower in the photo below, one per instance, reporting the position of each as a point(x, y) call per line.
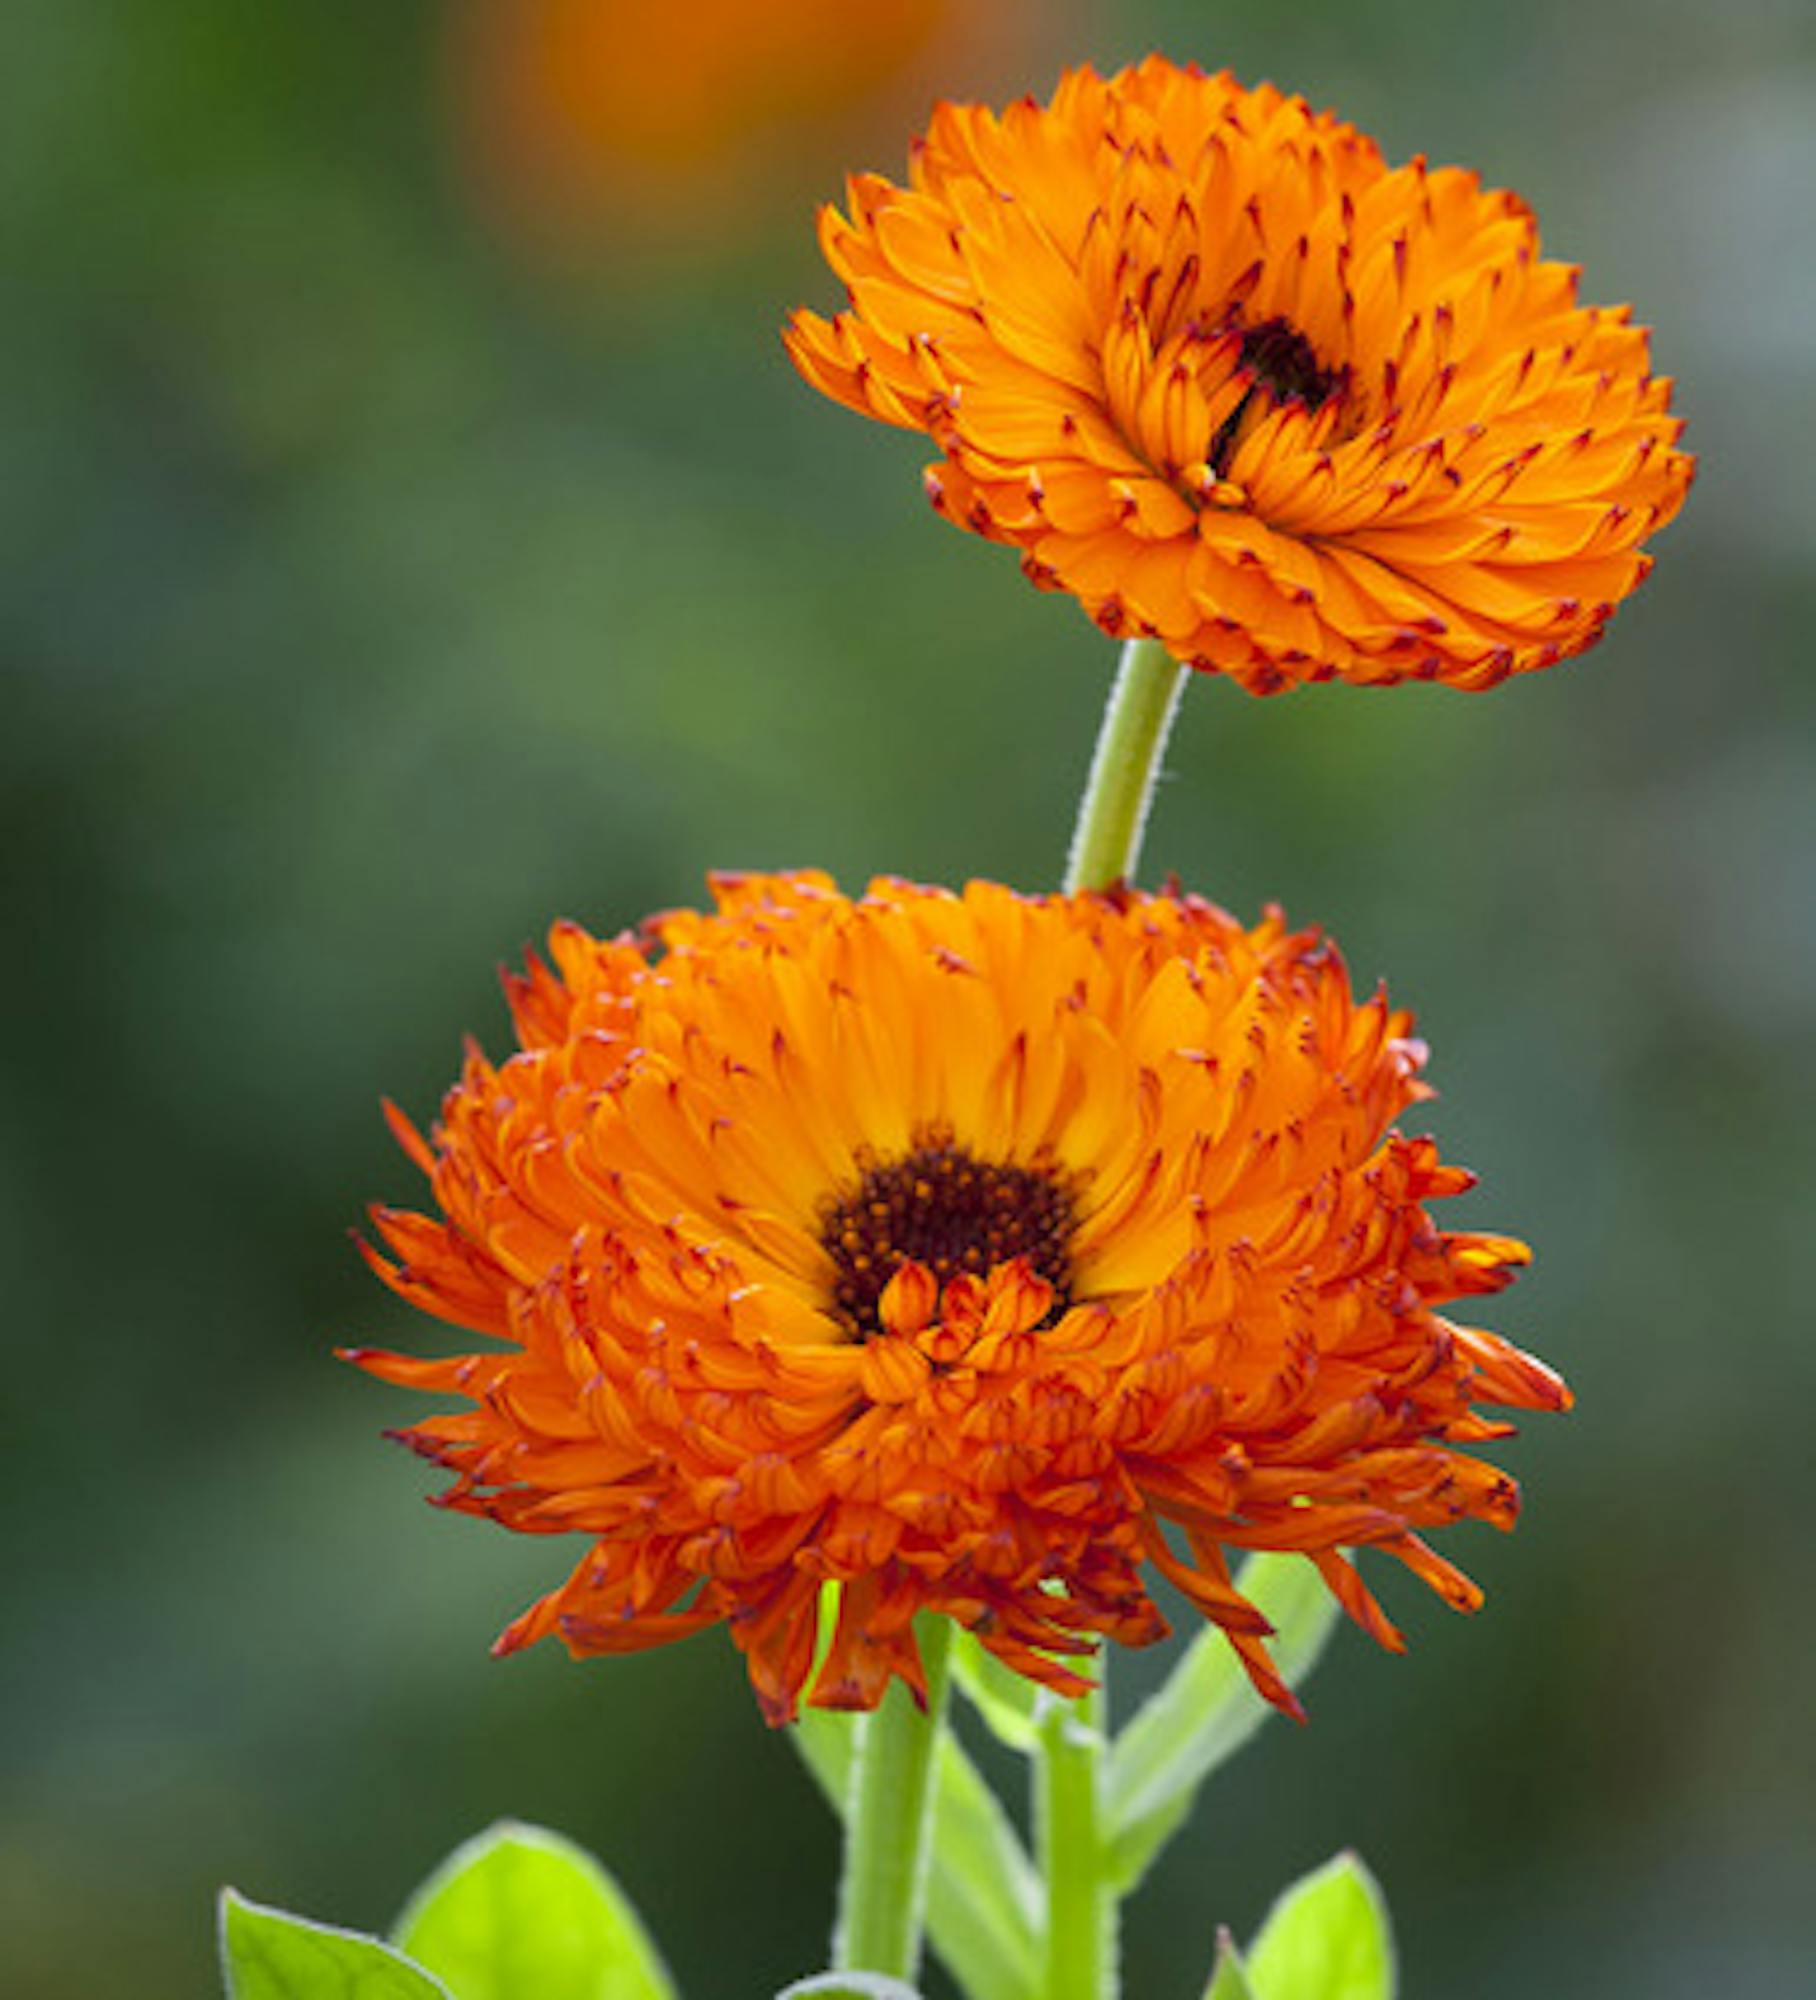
point(981, 1253)
point(1234, 383)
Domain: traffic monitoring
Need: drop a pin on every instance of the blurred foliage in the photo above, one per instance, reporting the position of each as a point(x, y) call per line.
point(377, 592)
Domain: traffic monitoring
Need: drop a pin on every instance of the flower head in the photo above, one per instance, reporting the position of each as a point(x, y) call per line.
point(1225, 376)
point(982, 1254)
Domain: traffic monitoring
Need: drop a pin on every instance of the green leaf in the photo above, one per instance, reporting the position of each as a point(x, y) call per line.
point(270, 1955)
point(1206, 1710)
point(848, 1986)
point(983, 1896)
point(1327, 1938)
point(1228, 1979)
point(1006, 1700)
point(984, 1904)
point(521, 1914)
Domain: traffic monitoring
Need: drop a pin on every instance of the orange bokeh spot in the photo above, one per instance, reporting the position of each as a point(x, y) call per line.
point(630, 113)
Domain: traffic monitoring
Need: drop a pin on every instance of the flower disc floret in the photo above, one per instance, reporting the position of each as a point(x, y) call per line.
point(1233, 382)
point(977, 1253)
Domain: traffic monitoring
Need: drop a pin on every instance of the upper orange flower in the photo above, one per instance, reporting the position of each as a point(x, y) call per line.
point(1217, 370)
point(971, 1252)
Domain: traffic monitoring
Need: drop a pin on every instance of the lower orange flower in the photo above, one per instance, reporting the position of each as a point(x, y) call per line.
point(980, 1253)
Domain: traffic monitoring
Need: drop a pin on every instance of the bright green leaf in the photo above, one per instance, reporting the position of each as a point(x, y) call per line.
point(1228, 1979)
point(1327, 1938)
point(983, 1897)
point(1005, 1699)
point(521, 1914)
point(270, 1955)
point(1206, 1710)
point(848, 1986)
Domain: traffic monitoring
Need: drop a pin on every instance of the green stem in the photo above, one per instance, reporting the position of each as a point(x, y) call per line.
point(1131, 739)
point(889, 1821)
point(1081, 1906)
point(1081, 1957)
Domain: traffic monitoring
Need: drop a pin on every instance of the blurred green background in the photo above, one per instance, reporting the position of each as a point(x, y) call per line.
point(386, 576)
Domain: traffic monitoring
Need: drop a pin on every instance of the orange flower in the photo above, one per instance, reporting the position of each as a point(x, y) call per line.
point(971, 1252)
point(1218, 371)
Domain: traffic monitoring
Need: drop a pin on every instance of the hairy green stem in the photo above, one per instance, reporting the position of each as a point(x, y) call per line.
point(889, 1821)
point(1131, 740)
point(1081, 1905)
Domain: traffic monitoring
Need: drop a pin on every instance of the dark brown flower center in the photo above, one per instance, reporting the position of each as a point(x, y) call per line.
point(939, 1206)
point(1286, 369)
point(1286, 365)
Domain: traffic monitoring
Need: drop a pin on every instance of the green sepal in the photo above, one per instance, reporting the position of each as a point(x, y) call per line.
point(1205, 1711)
point(848, 1986)
point(518, 1913)
point(1229, 1980)
point(271, 1955)
point(1008, 1702)
point(1327, 1938)
point(983, 1897)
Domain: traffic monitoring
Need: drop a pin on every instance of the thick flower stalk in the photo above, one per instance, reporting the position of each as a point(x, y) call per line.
point(1233, 382)
point(982, 1254)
